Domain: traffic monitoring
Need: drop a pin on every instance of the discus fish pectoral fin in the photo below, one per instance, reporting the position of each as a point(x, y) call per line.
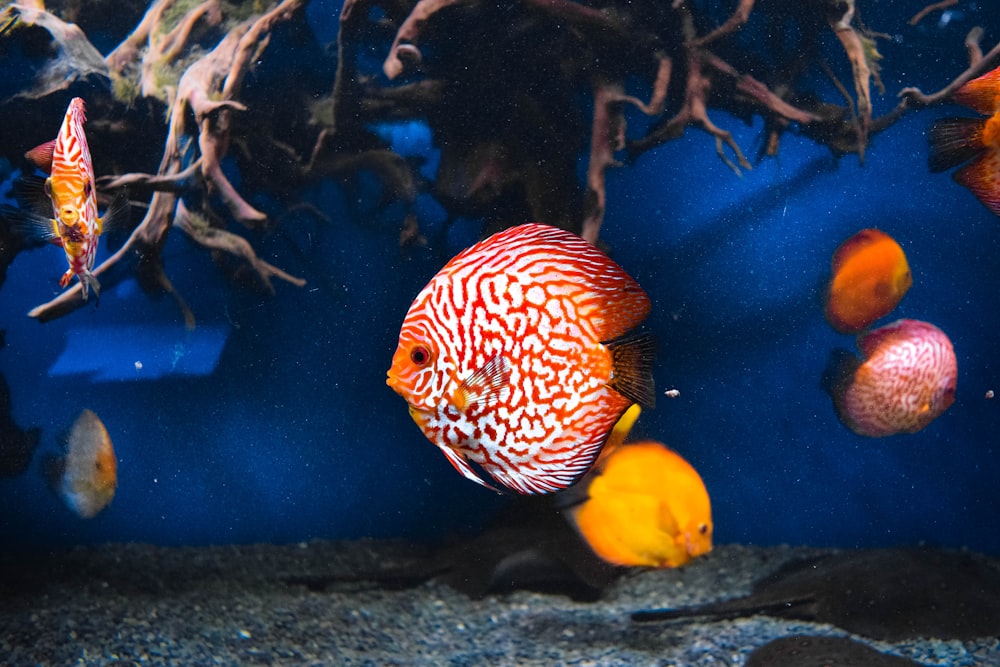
point(117, 215)
point(485, 383)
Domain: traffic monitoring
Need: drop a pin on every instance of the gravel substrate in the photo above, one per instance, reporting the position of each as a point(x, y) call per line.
point(304, 604)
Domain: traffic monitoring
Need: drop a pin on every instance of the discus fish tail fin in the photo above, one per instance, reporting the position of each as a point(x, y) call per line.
point(89, 281)
point(954, 141)
point(632, 368)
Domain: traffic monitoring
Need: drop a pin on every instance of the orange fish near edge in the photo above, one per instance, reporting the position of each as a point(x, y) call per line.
point(957, 140)
point(515, 357)
point(870, 277)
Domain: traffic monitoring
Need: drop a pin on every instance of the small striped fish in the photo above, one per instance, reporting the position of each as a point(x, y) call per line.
point(75, 225)
point(517, 357)
point(907, 380)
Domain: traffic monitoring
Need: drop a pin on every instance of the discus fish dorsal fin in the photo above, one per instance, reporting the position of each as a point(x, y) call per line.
point(982, 94)
point(632, 368)
point(41, 155)
point(485, 383)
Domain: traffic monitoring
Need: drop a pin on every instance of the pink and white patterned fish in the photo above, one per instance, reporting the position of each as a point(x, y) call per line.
point(75, 225)
point(515, 357)
point(907, 379)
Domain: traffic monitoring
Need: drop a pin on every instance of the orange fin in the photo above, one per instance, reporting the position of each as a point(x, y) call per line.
point(954, 141)
point(41, 156)
point(982, 177)
point(632, 368)
point(981, 94)
point(484, 385)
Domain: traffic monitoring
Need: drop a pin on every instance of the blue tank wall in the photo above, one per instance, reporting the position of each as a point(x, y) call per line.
point(288, 432)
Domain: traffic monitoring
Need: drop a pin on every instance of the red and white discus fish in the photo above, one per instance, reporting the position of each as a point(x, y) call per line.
point(75, 226)
point(514, 357)
point(906, 380)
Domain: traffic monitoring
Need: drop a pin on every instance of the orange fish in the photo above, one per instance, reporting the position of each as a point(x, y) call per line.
point(907, 379)
point(75, 225)
point(957, 140)
point(515, 357)
point(870, 277)
point(644, 506)
point(86, 478)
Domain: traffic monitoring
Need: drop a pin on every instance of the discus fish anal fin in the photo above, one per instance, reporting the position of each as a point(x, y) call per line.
point(462, 465)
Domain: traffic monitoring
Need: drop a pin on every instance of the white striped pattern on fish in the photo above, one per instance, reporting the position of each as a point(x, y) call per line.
point(907, 380)
point(71, 188)
point(502, 357)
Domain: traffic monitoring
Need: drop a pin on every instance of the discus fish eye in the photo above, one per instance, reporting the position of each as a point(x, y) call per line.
point(87, 189)
point(703, 529)
point(420, 355)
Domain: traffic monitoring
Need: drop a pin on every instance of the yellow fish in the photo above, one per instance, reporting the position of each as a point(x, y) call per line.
point(645, 505)
point(86, 478)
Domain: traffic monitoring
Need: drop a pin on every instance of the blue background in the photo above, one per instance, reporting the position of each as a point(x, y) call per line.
point(294, 435)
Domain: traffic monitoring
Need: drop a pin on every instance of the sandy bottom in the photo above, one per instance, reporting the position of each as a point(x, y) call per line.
point(316, 604)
